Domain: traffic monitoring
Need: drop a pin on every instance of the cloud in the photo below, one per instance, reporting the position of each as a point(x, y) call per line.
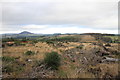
point(58, 29)
point(93, 14)
point(55, 0)
point(33, 26)
point(76, 30)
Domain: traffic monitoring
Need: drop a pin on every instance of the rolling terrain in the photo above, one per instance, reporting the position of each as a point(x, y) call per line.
point(81, 56)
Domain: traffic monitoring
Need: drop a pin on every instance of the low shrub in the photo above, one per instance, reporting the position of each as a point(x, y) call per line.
point(80, 47)
point(29, 53)
point(107, 44)
point(12, 68)
point(49, 42)
point(8, 59)
point(8, 69)
point(115, 53)
point(106, 39)
point(52, 60)
point(35, 41)
point(9, 44)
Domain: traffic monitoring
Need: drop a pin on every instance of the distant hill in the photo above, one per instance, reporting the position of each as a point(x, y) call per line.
point(25, 32)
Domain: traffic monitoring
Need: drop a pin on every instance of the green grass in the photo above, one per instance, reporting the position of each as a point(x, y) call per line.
point(8, 59)
point(65, 58)
point(62, 74)
point(12, 68)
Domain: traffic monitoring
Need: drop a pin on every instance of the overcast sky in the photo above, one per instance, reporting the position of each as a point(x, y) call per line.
point(59, 16)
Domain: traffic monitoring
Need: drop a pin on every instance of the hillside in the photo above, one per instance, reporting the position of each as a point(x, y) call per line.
point(25, 32)
point(82, 56)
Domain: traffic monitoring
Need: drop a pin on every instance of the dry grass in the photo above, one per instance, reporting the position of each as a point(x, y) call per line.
point(111, 69)
point(67, 68)
point(88, 38)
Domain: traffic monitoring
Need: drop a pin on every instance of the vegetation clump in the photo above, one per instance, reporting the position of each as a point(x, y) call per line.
point(29, 53)
point(80, 47)
point(8, 59)
point(52, 60)
point(7, 69)
point(12, 68)
point(61, 39)
point(107, 44)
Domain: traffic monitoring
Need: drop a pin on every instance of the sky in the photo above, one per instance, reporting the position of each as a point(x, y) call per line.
point(59, 16)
